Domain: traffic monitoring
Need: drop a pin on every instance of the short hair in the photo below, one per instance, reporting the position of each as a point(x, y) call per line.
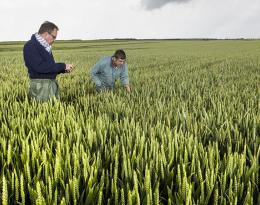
point(47, 27)
point(120, 54)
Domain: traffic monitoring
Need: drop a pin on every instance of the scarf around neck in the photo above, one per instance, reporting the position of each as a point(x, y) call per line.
point(43, 42)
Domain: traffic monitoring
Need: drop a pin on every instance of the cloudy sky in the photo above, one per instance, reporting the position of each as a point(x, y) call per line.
point(105, 19)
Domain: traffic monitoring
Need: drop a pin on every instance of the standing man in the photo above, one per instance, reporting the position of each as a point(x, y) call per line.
point(108, 69)
point(41, 66)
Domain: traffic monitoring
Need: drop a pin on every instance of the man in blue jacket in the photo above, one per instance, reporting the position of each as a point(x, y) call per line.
point(108, 69)
point(41, 66)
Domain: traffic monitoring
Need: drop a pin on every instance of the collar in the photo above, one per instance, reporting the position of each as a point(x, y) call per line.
point(111, 63)
point(43, 42)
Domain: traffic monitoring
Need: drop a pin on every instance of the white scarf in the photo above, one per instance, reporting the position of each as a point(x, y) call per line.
point(43, 42)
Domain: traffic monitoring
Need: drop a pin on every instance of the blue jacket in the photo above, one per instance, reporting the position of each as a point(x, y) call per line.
point(40, 63)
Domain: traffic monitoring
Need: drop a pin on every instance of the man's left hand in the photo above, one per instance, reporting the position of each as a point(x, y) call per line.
point(127, 87)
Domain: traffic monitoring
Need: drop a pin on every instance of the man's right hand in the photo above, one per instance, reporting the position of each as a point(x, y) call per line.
point(69, 68)
point(99, 88)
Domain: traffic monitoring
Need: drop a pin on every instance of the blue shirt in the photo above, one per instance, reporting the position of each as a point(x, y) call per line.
point(105, 75)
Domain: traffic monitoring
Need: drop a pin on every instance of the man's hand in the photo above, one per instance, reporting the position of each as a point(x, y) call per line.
point(127, 87)
point(69, 68)
point(98, 88)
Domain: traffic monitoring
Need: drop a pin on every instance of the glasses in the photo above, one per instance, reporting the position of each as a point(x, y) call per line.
point(54, 37)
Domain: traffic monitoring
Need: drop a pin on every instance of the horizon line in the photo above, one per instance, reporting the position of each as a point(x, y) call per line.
point(109, 39)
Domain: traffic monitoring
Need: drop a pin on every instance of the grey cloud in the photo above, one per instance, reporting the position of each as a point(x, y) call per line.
point(155, 4)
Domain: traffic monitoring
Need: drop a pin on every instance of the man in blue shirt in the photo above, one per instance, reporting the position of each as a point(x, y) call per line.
point(41, 66)
point(108, 69)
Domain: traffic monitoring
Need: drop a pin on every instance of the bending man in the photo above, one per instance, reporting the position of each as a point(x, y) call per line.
point(108, 69)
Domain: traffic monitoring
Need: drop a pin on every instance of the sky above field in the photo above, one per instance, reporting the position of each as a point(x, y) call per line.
point(106, 19)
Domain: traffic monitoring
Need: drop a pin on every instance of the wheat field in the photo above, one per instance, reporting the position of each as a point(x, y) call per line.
point(188, 133)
